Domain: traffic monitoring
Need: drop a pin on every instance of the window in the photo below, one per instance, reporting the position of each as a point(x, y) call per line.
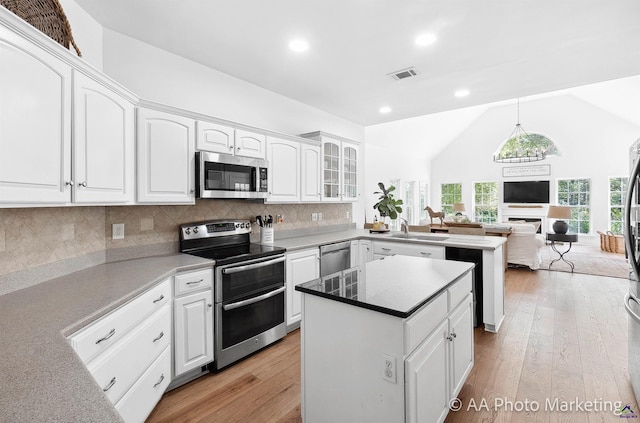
point(485, 202)
point(424, 199)
point(617, 194)
point(527, 146)
point(576, 194)
point(451, 193)
point(408, 208)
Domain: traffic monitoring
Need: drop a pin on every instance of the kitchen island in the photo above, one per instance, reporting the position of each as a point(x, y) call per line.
point(390, 341)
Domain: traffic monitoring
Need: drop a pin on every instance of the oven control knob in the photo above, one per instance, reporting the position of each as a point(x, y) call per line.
point(195, 230)
point(187, 231)
point(237, 225)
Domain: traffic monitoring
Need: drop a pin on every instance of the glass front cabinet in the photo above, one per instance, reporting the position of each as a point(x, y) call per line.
point(339, 167)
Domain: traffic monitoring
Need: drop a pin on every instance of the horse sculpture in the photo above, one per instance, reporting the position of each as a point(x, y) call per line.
point(432, 214)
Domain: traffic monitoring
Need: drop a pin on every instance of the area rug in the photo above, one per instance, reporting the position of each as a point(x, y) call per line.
point(588, 259)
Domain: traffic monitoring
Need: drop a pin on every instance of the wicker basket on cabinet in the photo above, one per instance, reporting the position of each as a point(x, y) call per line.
point(47, 16)
point(611, 242)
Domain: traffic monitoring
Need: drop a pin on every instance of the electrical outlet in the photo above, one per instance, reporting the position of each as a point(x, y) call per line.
point(389, 368)
point(117, 231)
point(348, 214)
point(319, 216)
point(314, 217)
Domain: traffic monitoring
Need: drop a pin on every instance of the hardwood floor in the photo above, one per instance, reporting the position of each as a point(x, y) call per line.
point(564, 337)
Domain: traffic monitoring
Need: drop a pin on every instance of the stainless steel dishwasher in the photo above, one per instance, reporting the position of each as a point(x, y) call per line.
point(335, 257)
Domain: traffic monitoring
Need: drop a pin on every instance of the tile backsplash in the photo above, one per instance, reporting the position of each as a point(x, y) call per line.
point(30, 237)
point(35, 236)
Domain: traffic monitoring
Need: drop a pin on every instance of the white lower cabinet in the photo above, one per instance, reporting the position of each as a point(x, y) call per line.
point(137, 404)
point(437, 369)
point(193, 320)
point(301, 266)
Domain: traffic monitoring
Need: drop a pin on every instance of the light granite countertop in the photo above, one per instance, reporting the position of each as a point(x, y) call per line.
point(460, 241)
point(41, 377)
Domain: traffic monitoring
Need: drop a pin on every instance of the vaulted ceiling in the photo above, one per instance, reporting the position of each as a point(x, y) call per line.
point(495, 49)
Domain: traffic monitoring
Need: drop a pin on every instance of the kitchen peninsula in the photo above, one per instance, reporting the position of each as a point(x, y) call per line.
point(486, 251)
point(390, 341)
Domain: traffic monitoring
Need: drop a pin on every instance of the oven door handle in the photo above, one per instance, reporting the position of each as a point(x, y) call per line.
point(237, 269)
point(243, 303)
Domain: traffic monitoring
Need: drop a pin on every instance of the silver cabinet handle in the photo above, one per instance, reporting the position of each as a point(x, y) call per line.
point(451, 336)
point(107, 336)
point(70, 183)
point(160, 298)
point(83, 184)
point(209, 305)
point(110, 385)
point(239, 304)
point(425, 253)
point(386, 249)
point(191, 191)
point(195, 282)
point(159, 337)
point(160, 381)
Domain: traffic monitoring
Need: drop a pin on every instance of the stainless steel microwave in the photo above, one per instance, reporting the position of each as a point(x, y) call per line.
point(225, 176)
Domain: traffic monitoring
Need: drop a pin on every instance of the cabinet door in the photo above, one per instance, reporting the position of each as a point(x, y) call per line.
point(302, 267)
point(366, 251)
point(331, 171)
point(250, 144)
point(214, 137)
point(166, 158)
point(103, 146)
point(284, 170)
point(35, 124)
point(461, 329)
point(193, 317)
point(426, 376)
point(349, 172)
point(310, 179)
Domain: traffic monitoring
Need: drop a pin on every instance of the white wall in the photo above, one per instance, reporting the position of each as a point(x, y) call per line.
point(87, 33)
point(160, 76)
point(592, 142)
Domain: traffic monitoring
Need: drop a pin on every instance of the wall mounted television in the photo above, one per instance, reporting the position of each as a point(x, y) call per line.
point(526, 192)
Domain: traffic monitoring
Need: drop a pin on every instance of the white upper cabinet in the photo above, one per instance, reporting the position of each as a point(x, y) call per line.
point(215, 138)
point(103, 145)
point(224, 139)
point(310, 175)
point(166, 158)
point(340, 169)
point(35, 124)
point(284, 170)
point(250, 144)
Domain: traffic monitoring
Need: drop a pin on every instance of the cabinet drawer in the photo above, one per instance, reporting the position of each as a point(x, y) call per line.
point(419, 326)
point(385, 248)
point(193, 281)
point(459, 290)
point(105, 332)
point(118, 369)
point(139, 401)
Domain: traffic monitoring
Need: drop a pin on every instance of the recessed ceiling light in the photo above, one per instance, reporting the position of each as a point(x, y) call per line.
point(425, 39)
point(461, 93)
point(385, 109)
point(299, 45)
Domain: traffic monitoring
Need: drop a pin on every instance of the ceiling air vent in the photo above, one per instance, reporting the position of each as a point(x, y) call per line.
point(404, 73)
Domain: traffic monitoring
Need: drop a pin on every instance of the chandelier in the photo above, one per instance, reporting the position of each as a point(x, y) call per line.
point(522, 151)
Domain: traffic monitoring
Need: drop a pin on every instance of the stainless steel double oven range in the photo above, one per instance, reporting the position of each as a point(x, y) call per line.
point(249, 287)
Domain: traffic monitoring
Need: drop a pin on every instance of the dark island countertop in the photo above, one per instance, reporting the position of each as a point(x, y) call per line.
point(396, 285)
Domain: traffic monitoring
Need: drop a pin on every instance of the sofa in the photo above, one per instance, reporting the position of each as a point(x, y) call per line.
point(524, 245)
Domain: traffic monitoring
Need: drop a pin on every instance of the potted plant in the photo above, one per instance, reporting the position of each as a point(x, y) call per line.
point(387, 205)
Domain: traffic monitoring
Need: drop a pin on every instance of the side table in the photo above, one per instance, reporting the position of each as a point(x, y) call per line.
point(570, 238)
